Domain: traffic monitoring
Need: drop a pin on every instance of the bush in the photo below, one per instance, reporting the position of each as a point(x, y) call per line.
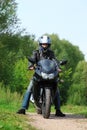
point(8, 99)
point(77, 95)
point(78, 91)
point(21, 76)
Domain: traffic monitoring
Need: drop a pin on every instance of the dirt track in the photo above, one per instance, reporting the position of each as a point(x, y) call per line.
point(70, 122)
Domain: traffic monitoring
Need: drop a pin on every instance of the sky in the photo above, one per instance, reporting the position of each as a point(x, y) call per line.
point(66, 18)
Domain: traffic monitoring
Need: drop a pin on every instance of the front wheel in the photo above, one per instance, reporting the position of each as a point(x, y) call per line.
point(46, 105)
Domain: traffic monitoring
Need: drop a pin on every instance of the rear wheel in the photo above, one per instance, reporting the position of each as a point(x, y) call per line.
point(46, 105)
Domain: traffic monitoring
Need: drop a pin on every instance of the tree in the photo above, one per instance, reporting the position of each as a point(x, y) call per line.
point(20, 76)
point(78, 90)
point(63, 49)
point(12, 49)
point(13, 46)
point(8, 18)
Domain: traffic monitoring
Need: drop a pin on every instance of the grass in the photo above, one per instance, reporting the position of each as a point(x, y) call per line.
point(9, 120)
point(11, 102)
point(82, 110)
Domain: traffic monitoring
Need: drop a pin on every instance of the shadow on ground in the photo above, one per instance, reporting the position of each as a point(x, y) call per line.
point(68, 116)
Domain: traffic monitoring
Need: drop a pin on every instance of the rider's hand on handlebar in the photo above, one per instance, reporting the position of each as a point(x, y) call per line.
point(31, 68)
point(59, 70)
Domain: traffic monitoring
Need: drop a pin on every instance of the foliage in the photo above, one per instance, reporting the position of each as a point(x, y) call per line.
point(21, 76)
point(78, 90)
point(12, 49)
point(63, 49)
point(64, 86)
point(8, 99)
point(9, 104)
point(8, 18)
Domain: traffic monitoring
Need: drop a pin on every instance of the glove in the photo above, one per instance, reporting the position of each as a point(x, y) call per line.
point(31, 67)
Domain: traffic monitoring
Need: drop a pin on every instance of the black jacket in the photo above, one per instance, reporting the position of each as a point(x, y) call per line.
point(38, 55)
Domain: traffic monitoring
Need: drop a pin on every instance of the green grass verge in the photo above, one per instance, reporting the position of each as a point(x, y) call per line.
point(9, 119)
point(82, 110)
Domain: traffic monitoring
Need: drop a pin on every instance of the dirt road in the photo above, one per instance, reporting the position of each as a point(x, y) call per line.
point(70, 122)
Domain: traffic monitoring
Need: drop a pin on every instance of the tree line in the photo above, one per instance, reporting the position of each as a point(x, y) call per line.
point(15, 48)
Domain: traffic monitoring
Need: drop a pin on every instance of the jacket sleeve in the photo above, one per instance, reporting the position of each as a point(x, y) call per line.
point(52, 54)
point(33, 57)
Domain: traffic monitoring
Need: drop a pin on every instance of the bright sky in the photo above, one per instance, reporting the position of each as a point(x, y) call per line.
point(67, 18)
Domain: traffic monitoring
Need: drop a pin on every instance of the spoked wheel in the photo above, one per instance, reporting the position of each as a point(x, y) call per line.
point(46, 105)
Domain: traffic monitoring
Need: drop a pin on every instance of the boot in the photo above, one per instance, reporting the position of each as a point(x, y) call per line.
point(21, 111)
point(59, 113)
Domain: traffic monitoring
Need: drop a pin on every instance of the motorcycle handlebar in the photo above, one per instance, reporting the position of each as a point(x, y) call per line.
point(63, 62)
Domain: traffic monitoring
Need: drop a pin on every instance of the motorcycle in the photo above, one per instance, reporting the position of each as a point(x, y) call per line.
point(46, 74)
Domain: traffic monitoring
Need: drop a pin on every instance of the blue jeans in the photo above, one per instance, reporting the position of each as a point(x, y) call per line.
point(57, 100)
point(26, 99)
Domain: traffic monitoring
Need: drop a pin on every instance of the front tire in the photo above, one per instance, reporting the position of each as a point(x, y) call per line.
point(46, 105)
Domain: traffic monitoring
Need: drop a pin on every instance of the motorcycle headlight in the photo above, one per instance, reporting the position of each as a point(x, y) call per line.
point(47, 76)
point(44, 75)
point(51, 76)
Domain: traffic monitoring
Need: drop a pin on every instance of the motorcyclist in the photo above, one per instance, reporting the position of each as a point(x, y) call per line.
point(44, 51)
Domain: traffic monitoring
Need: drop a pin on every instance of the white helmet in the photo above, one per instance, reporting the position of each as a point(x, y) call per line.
point(44, 39)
